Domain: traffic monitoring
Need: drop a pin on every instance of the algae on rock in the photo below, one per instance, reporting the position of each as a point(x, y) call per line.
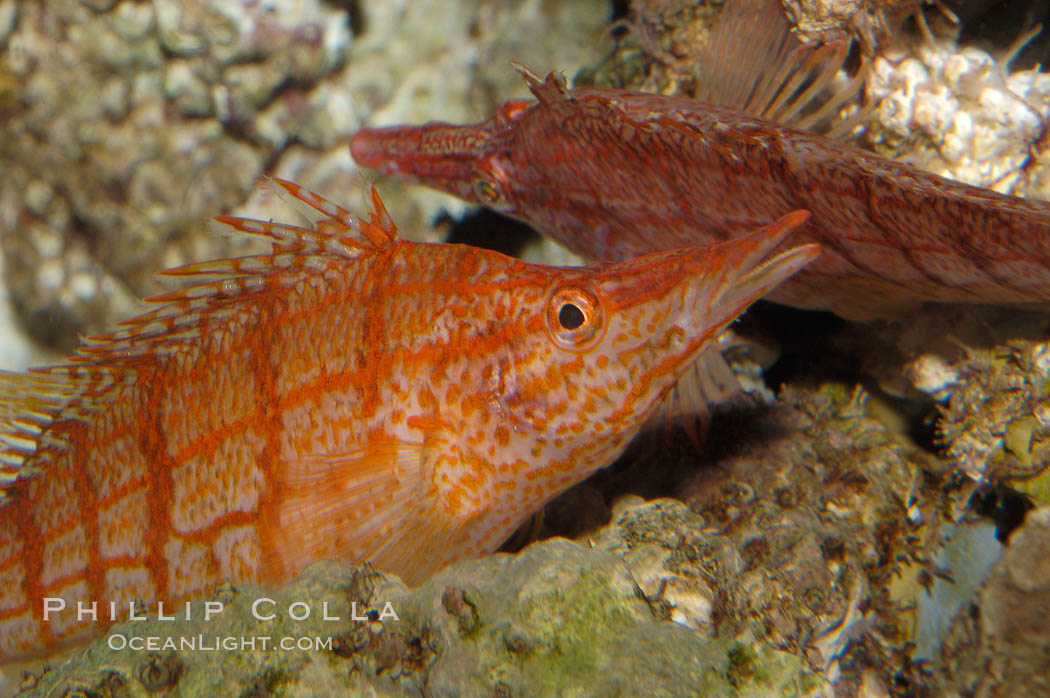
point(557, 619)
point(997, 643)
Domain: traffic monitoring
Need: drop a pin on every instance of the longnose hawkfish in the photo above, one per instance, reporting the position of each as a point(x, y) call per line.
point(613, 173)
point(348, 396)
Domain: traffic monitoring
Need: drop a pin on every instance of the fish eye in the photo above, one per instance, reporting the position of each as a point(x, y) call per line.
point(570, 316)
point(574, 318)
point(490, 185)
point(488, 191)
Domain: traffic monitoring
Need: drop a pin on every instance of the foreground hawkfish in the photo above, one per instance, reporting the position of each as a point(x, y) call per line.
point(612, 174)
point(348, 396)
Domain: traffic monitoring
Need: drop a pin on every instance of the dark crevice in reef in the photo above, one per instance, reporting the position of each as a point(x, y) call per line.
point(355, 14)
point(994, 25)
point(489, 229)
point(805, 338)
point(1005, 506)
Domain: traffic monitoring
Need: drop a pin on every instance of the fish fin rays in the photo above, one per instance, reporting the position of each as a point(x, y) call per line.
point(337, 233)
point(28, 403)
point(108, 362)
point(533, 80)
point(708, 381)
point(754, 63)
point(552, 92)
point(361, 506)
point(210, 307)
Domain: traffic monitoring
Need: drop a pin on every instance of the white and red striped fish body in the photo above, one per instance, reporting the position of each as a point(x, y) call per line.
point(348, 396)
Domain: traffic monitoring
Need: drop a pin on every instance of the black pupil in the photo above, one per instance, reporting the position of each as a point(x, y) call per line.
point(570, 316)
point(488, 191)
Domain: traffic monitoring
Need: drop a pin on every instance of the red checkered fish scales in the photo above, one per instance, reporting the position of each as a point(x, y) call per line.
point(348, 396)
point(613, 173)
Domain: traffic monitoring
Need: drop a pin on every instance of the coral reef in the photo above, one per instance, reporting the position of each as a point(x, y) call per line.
point(558, 619)
point(127, 124)
point(797, 548)
point(133, 122)
point(997, 643)
point(798, 535)
point(995, 422)
point(959, 113)
point(869, 20)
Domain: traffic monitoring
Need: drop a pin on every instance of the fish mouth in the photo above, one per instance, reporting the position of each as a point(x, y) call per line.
point(745, 273)
point(757, 272)
point(384, 149)
point(439, 155)
point(694, 293)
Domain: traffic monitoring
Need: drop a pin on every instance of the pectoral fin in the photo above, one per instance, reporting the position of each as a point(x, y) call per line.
point(367, 505)
point(708, 381)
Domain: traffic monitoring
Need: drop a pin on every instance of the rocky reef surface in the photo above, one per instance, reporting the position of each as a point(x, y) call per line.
point(997, 642)
point(127, 124)
point(557, 619)
point(793, 560)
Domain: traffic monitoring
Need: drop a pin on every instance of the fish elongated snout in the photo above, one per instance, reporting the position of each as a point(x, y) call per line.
point(692, 294)
point(737, 273)
point(750, 270)
point(438, 154)
point(374, 147)
point(730, 275)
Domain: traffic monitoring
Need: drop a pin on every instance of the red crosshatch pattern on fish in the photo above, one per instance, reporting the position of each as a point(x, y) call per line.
point(349, 396)
point(614, 173)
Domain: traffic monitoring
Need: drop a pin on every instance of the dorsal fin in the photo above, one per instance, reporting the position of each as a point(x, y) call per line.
point(753, 62)
point(28, 403)
point(105, 363)
point(296, 251)
point(551, 92)
point(339, 233)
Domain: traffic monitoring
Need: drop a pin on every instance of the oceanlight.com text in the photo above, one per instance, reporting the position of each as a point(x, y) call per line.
point(217, 643)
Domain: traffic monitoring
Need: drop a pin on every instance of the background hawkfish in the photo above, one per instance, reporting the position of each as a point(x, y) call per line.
point(614, 173)
point(350, 396)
